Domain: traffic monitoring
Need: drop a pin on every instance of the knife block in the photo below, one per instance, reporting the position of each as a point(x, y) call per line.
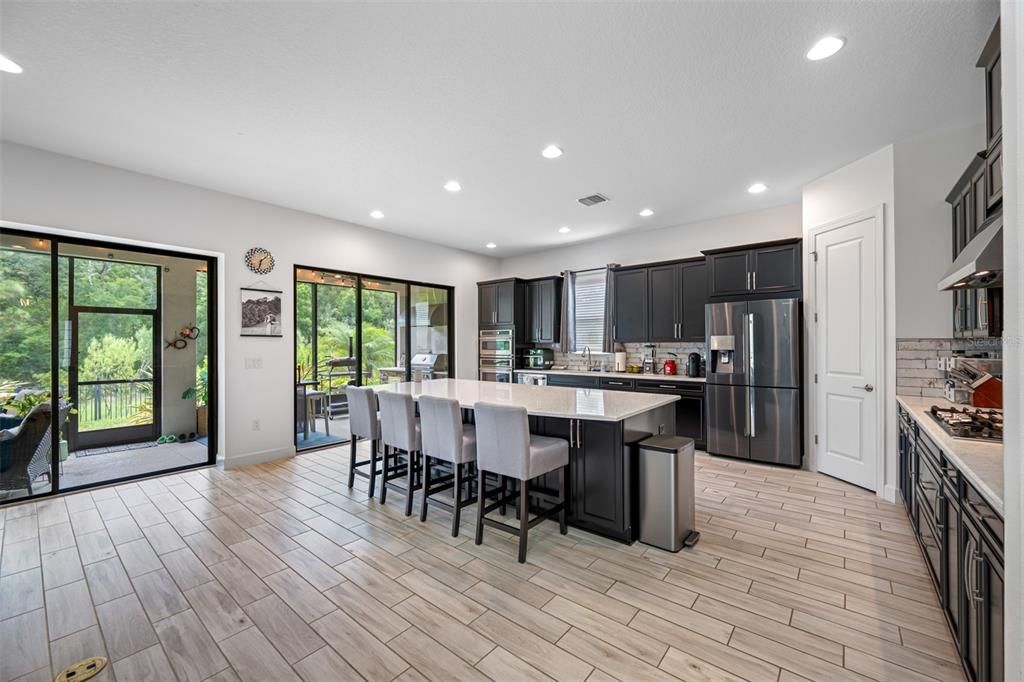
point(988, 394)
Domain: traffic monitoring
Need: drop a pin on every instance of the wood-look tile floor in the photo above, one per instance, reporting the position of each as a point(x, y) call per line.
point(280, 572)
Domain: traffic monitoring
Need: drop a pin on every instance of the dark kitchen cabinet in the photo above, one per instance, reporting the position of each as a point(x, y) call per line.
point(961, 537)
point(994, 175)
point(990, 60)
point(694, 280)
point(676, 296)
point(629, 302)
point(665, 290)
point(500, 303)
point(760, 271)
point(729, 273)
point(543, 310)
point(690, 407)
point(600, 475)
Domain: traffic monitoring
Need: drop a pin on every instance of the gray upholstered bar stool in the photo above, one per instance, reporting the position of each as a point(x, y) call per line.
point(506, 447)
point(363, 423)
point(400, 431)
point(445, 437)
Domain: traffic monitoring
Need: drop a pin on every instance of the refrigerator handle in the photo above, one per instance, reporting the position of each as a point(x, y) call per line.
point(750, 346)
point(750, 415)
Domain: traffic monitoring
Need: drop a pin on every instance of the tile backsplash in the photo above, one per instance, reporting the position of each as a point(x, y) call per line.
point(917, 366)
point(635, 353)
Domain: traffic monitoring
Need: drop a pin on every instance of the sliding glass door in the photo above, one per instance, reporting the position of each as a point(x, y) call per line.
point(125, 339)
point(361, 330)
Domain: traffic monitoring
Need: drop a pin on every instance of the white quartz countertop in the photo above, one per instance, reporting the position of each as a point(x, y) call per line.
point(614, 375)
point(980, 463)
point(542, 401)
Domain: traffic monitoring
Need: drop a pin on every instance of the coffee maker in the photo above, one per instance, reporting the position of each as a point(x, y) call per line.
point(693, 365)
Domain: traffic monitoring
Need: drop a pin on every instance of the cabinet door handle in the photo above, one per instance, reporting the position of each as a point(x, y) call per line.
point(753, 280)
point(748, 280)
point(579, 425)
point(570, 433)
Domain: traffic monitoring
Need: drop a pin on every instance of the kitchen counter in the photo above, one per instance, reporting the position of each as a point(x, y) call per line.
point(980, 463)
point(540, 401)
point(614, 375)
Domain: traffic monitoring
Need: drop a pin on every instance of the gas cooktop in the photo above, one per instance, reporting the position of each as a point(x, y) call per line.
point(970, 423)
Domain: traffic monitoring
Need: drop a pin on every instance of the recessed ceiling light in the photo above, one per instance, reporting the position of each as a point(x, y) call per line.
point(452, 186)
point(825, 48)
point(7, 66)
point(552, 151)
point(757, 188)
point(491, 245)
point(646, 213)
point(376, 215)
point(564, 229)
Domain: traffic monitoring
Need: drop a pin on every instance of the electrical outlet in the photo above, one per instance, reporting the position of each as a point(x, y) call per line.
point(255, 424)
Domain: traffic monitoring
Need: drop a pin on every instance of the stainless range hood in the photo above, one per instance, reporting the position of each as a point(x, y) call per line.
point(980, 264)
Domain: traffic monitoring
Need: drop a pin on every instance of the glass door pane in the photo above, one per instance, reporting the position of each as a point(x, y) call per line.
point(384, 351)
point(428, 328)
point(325, 363)
point(113, 378)
point(25, 367)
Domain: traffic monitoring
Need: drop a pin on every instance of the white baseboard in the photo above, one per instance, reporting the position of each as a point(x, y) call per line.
point(888, 493)
point(251, 458)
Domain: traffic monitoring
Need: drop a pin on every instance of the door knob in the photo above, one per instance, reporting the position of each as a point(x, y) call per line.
point(866, 387)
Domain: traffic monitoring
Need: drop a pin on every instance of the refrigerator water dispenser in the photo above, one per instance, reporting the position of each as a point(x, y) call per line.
point(723, 352)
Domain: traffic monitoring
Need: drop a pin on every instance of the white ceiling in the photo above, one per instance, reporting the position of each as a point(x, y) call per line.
point(342, 108)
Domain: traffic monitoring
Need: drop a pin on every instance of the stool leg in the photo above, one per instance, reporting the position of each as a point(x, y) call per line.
point(391, 453)
point(426, 485)
point(524, 518)
point(373, 466)
point(457, 493)
point(352, 461)
point(563, 492)
point(504, 492)
point(410, 486)
point(479, 506)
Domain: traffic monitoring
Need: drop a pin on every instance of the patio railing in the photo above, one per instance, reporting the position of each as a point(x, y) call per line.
point(112, 404)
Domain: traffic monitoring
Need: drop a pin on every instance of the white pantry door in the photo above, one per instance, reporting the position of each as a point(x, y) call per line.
point(848, 327)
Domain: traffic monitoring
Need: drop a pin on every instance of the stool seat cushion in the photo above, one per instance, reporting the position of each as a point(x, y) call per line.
point(546, 454)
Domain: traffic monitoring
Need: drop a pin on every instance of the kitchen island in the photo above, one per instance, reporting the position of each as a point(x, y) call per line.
point(602, 428)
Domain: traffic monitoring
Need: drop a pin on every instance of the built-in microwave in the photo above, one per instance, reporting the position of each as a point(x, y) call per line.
point(497, 343)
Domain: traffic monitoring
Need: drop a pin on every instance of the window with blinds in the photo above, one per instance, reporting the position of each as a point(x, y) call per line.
point(588, 308)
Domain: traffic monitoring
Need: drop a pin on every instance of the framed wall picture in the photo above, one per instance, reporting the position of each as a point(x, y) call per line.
point(261, 312)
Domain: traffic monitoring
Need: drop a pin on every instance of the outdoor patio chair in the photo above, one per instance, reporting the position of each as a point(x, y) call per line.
point(25, 449)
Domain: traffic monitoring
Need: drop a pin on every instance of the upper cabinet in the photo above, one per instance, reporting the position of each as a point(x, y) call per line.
point(543, 310)
point(502, 304)
point(629, 303)
point(662, 302)
point(760, 271)
point(676, 296)
point(991, 62)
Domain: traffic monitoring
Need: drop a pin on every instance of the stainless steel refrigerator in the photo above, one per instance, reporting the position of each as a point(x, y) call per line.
point(753, 380)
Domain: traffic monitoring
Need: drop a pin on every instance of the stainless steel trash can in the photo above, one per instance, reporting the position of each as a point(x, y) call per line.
point(667, 492)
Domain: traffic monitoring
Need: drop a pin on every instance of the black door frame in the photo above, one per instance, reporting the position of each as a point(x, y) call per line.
point(358, 278)
point(212, 349)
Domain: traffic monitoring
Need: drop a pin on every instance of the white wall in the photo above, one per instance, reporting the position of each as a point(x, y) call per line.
point(863, 185)
point(680, 241)
point(1012, 36)
point(45, 189)
point(925, 169)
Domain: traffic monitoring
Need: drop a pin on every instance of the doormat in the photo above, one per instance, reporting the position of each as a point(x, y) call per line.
point(113, 448)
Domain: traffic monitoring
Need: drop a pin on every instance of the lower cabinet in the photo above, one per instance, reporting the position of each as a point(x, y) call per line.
point(601, 475)
point(961, 537)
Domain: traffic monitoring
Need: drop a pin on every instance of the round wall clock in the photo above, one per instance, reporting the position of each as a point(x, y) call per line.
point(259, 260)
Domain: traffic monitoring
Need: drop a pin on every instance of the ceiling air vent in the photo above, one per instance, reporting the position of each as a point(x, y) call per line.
point(593, 200)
